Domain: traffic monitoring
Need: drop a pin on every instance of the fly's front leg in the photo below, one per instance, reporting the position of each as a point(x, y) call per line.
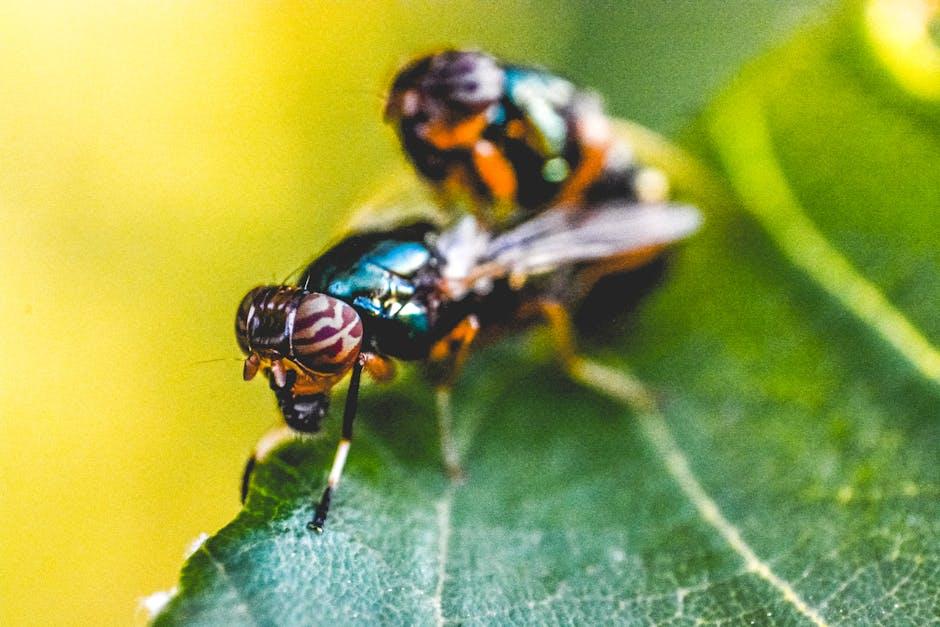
point(381, 369)
point(342, 449)
point(269, 441)
point(303, 411)
point(447, 358)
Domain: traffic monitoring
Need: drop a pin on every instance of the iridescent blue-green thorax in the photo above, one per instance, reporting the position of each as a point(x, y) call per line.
point(543, 100)
point(390, 279)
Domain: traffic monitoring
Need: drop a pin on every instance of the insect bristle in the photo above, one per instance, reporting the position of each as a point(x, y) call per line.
point(293, 273)
point(202, 362)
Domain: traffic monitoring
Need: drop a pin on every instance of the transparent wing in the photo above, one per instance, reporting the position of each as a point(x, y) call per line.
point(397, 199)
point(560, 237)
point(401, 197)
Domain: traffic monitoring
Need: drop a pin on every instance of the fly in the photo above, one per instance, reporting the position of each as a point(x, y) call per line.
point(508, 141)
point(420, 293)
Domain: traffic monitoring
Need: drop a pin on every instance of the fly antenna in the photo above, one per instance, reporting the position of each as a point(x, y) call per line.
point(212, 361)
point(292, 273)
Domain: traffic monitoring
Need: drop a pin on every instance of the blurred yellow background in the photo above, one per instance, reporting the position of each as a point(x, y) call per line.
point(156, 161)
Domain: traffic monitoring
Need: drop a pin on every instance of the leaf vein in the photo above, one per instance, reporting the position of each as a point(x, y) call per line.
point(451, 453)
point(444, 530)
point(616, 385)
point(242, 604)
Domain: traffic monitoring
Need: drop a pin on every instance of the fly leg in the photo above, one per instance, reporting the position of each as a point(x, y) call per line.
point(449, 354)
point(448, 357)
point(302, 411)
point(577, 367)
point(269, 441)
point(342, 449)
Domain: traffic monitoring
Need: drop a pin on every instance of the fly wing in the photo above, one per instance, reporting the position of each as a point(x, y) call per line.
point(400, 198)
point(560, 237)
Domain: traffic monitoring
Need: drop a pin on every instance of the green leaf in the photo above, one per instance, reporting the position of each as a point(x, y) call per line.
point(787, 471)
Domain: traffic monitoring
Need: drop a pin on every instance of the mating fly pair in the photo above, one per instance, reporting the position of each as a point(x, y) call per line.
point(555, 202)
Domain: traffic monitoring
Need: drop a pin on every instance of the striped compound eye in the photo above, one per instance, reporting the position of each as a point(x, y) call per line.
point(326, 335)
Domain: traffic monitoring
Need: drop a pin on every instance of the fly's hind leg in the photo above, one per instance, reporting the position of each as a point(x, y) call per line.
point(577, 367)
point(447, 358)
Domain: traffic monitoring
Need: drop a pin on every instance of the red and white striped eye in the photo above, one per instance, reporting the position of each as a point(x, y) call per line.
point(326, 336)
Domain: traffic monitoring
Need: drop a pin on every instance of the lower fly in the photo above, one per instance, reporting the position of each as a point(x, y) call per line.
point(417, 293)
